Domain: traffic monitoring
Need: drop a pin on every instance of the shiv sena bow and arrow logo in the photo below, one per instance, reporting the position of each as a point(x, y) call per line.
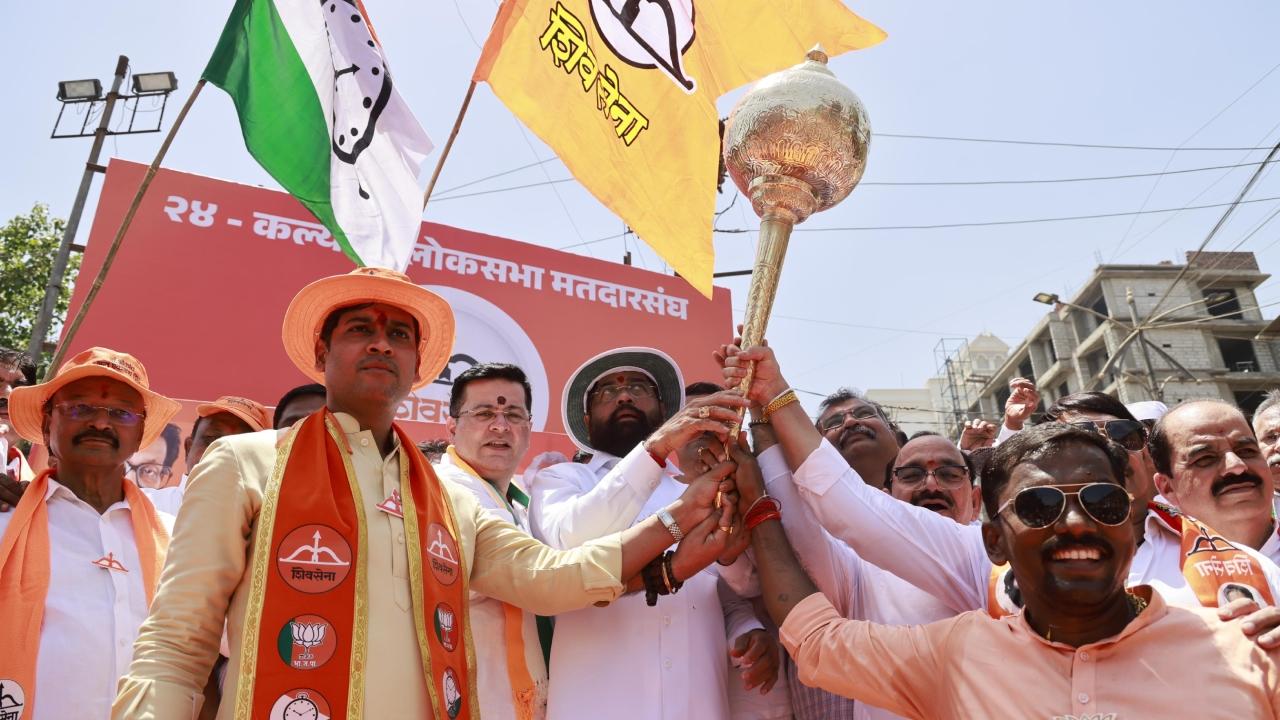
point(648, 34)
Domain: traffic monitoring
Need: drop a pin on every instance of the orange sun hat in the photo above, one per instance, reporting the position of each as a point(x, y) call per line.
point(26, 404)
point(307, 312)
point(250, 411)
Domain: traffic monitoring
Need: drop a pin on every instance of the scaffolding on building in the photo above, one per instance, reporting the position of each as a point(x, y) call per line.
point(954, 367)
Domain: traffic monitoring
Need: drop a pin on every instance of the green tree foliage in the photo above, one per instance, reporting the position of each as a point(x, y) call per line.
point(28, 244)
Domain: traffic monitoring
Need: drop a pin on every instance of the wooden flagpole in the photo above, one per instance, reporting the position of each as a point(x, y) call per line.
point(70, 330)
point(448, 144)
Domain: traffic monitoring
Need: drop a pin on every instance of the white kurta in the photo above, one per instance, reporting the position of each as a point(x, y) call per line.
point(948, 560)
point(857, 589)
point(488, 617)
point(91, 614)
point(629, 660)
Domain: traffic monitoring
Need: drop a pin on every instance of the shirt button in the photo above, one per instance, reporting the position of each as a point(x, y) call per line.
point(364, 442)
point(666, 664)
point(400, 538)
point(1083, 698)
point(666, 619)
point(1084, 657)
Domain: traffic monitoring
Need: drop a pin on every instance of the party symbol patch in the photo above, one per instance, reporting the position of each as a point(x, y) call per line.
point(314, 559)
point(307, 642)
point(300, 704)
point(443, 553)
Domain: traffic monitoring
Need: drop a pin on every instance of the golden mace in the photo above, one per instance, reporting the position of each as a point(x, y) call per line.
point(795, 144)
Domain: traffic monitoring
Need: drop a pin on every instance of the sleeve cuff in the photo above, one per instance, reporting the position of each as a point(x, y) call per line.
point(808, 616)
point(772, 465)
point(141, 699)
point(640, 471)
point(602, 568)
point(1004, 434)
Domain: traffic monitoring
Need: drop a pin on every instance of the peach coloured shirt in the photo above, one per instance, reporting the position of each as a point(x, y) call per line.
point(1168, 663)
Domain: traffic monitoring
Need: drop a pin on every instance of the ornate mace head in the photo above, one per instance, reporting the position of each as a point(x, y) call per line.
point(797, 143)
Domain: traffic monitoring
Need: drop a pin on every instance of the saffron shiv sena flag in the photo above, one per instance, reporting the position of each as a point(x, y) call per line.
point(625, 92)
point(320, 113)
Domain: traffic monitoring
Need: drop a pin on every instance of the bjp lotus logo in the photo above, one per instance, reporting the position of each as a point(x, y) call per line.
point(649, 34)
point(307, 642)
point(308, 635)
point(446, 627)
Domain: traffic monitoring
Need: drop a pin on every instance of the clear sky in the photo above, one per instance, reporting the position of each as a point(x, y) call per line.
point(861, 308)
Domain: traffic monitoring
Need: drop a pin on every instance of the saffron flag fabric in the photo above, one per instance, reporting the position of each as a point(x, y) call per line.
point(320, 113)
point(625, 93)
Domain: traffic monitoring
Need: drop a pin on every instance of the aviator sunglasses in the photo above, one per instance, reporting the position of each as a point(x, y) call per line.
point(1128, 434)
point(1041, 506)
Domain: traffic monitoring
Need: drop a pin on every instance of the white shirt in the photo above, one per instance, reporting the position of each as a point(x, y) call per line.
point(629, 660)
point(91, 614)
point(167, 499)
point(1271, 548)
point(948, 560)
point(857, 589)
point(488, 617)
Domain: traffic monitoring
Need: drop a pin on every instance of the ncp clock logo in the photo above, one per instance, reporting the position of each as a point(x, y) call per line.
point(649, 34)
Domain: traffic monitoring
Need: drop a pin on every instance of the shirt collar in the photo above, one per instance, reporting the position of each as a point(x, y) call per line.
point(451, 458)
point(1155, 610)
point(351, 426)
point(63, 492)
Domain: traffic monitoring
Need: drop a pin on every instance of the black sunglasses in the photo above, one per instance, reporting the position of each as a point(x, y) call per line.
point(1041, 506)
point(1128, 434)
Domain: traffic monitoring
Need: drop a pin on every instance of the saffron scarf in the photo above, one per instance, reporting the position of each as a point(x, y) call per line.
point(24, 579)
point(1213, 566)
point(522, 685)
point(306, 628)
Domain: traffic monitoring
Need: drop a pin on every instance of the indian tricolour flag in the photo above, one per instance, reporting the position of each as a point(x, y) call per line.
point(319, 111)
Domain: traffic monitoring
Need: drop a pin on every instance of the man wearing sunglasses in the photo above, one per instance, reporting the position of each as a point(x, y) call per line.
point(949, 561)
point(80, 554)
point(929, 472)
point(1085, 645)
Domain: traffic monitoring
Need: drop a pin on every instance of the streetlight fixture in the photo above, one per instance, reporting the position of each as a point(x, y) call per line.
point(1135, 333)
point(72, 92)
point(154, 83)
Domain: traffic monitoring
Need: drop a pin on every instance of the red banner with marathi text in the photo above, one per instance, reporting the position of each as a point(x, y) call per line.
point(200, 284)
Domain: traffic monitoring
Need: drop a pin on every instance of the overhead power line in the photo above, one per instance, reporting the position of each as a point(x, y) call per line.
point(1027, 221)
point(985, 223)
point(444, 194)
point(1046, 143)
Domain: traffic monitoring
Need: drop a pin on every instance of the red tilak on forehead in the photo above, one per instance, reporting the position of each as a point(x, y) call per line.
point(502, 399)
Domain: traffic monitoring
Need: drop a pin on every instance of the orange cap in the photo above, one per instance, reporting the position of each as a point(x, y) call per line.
point(26, 404)
point(247, 410)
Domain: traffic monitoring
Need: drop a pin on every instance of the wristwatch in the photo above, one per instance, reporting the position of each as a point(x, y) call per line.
point(670, 523)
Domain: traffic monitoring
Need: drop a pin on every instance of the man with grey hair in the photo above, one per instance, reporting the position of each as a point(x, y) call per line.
point(1266, 426)
point(860, 430)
